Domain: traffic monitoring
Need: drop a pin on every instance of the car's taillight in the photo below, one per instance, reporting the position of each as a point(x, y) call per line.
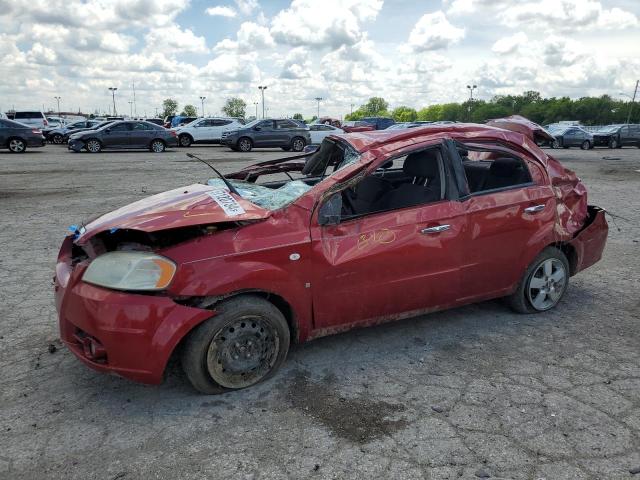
point(37, 131)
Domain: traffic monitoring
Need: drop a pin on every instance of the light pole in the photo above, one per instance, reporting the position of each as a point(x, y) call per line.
point(633, 99)
point(58, 100)
point(130, 108)
point(352, 109)
point(256, 105)
point(202, 99)
point(318, 99)
point(113, 95)
point(471, 89)
point(262, 88)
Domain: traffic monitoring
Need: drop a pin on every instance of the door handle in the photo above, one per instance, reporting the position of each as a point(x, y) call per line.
point(437, 229)
point(534, 209)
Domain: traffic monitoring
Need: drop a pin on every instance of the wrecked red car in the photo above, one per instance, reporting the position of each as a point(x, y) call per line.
point(373, 227)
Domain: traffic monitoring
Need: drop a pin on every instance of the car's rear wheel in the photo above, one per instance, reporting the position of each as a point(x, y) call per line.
point(243, 344)
point(57, 139)
point(93, 146)
point(245, 144)
point(555, 144)
point(586, 145)
point(157, 146)
point(185, 140)
point(543, 284)
point(297, 144)
point(17, 145)
point(613, 143)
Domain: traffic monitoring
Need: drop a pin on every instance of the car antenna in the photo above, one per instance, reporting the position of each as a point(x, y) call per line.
point(231, 188)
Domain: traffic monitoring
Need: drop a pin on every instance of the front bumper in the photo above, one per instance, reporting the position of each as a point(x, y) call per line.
point(589, 243)
point(75, 144)
point(129, 334)
point(228, 141)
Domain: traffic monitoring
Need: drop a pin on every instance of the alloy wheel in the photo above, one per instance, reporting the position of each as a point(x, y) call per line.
point(57, 139)
point(243, 352)
point(547, 284)
point(16, 145)
point(298, 145)
point(157, 146)
point(245, 145)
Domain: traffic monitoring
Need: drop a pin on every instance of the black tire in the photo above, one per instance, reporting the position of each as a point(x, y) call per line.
point(16, 145)
point(521, 301)
point(613, 143)
point(586, 145)
point(245, 144)
point(286, 149)
point(555, 143)
point(93, 145)
point(157, 146)
point(243, 325)
point(298, 144)
point(185, 140)
point(57, 139)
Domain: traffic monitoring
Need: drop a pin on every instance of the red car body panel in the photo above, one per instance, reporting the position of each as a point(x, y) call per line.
point(359, 272)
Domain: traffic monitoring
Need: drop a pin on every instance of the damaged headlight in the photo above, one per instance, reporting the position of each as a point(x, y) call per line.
point(130, 271)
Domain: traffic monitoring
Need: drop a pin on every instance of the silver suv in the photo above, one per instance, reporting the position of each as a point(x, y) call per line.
point(33, 119)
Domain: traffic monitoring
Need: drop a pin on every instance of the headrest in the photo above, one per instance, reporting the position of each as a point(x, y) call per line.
point(505, 167)
point(422, 164)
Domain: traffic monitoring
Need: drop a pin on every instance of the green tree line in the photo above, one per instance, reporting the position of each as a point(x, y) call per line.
point(602, 110)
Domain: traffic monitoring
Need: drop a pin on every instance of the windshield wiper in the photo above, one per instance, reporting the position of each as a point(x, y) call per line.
point(231, 188)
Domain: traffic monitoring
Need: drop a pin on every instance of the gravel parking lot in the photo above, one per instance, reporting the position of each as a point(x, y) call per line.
point(473, 392)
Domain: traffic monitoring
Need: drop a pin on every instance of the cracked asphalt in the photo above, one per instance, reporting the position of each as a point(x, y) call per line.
point(475, 392)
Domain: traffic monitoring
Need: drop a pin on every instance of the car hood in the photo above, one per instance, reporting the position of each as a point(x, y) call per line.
point(181, 207)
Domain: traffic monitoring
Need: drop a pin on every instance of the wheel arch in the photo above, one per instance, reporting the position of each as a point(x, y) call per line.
point(569, 252)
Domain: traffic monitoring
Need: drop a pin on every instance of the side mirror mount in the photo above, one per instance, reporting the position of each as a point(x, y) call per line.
point(329, 213)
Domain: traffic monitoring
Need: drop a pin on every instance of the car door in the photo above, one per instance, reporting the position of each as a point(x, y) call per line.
point(625, 137)
point(510, 217)
point(264, 134)
point(202, 130)
point(117, 135)
point(387, 264)
point(284, 132)
point(4, 133)
point(141, 135)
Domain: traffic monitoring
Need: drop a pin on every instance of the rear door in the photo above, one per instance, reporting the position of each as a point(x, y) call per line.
point(285, 131)
point(141, 135)
point(510, 217)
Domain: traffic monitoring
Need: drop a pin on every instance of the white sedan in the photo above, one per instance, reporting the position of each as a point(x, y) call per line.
point(319, 131)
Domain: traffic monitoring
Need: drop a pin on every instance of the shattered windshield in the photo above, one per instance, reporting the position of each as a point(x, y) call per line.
point(265, 197)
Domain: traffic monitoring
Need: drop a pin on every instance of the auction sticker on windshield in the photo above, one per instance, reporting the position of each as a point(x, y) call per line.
point(229, 204)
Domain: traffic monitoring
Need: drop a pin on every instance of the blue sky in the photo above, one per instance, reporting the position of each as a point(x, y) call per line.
point(409, 52)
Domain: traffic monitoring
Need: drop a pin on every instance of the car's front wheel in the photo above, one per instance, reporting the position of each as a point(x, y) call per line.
point(245, 144)
point(17, 145)
point(543, 284)
point(93, 146)
point(57, 139)
point(586, 145)
point(157, 146)
point(297, 144)
point(243, 344)
point(185, 140)
point(613, 143)
point(555, 144)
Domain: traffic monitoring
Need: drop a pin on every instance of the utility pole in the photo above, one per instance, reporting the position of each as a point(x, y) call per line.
point(256, 105)
point(319, 99)
point(135, 108)
point(58, 100)
point(130, 109)
point(262, 88)
point(351, 109)
point(635, 92)
point(113, 95)
point(202, 99)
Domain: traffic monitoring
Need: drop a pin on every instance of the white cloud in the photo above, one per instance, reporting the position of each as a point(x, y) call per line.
point(247, 7)
point(434, 32)
point(250, 36)
point(510, 44)
point(326, 23)
point(221, 11)
point(173, 39)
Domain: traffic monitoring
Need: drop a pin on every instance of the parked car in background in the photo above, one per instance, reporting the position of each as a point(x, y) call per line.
point(206, 130)
point(356, 126)
point(157, 121)
point(17, 137)
point(572, 137)
point(374, 229)
point(617, 136)
point(96, 126)
point(31, 118)
point(59, 134)
point(55, 122)
point(124, 135)
point(284, 133)
point(379, 123)
point(404, 125)
point(179, 120)
point(318, 131)
point(167, 121)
